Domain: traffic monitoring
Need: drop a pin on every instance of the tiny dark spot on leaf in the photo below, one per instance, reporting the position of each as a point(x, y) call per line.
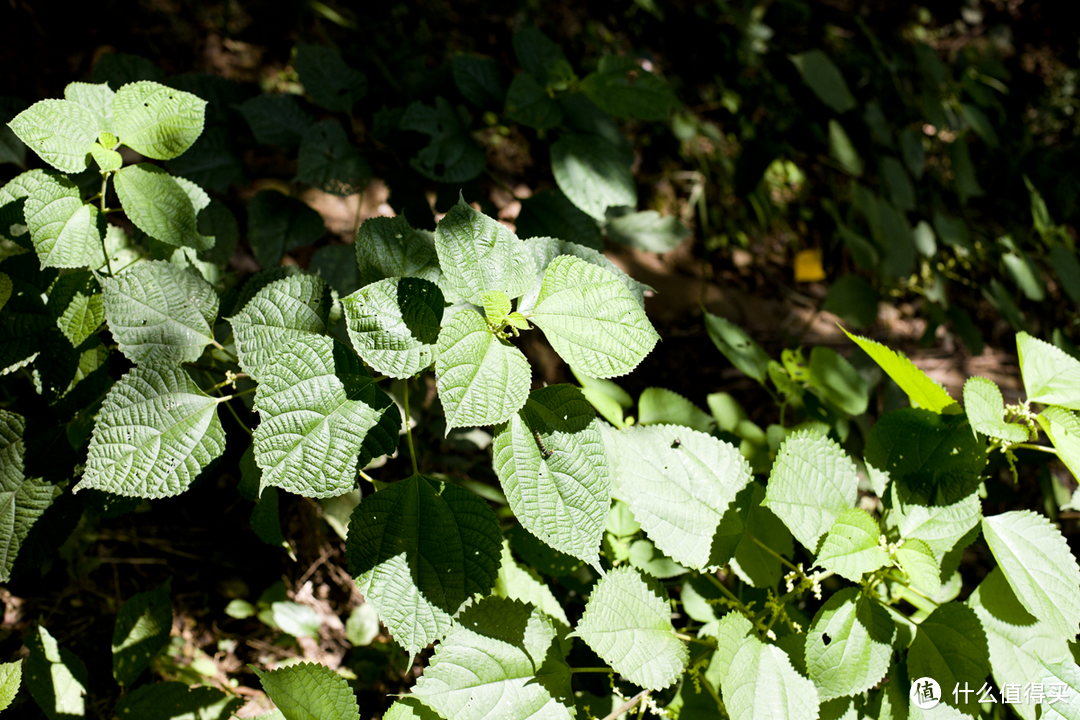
point(825, 638)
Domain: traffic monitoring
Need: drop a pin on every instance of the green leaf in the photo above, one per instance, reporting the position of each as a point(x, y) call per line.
point(329, 162)
point(478, 255)
point(394, 324)
point(10, 680)
point(540, 55)
point(266, 521)
point(5, 289)
point(679, 483)
point(757, 681)
point(363, 625)
point(849, 644)
point(98, 99)
point(738, 347)
point(658, 406)
point(591, 319)
point(154, 434)
point(276, 119)
point(482, 380)
point(157, 121)
point(502, 656)
point(838, 382)
point(546, 249)
point(550, 460)
point(853, 299)
point(336, 264)
point(141, 632)
point(22, 499)
point(621, 86)
point(211, 162)
point(921, 565)
point(160, 313)
point(1025, 275)
point(409, 708)
point(496, 307)
point(159, 206)
point(746, 522)
point(985, 408)
point(278, 316)
point(549, 213)
point(647, 230)
point(309, 691)
point(813, 482)
point(418, 549)
point(593, 174)
point(936, 459)
point(56, 677)
point(389, 247)
point(328, 79)
point(278, 224)
point(1018, 643)
point(59, 131)
point(843, 151)
point(317, 404)
point(1051, 376)
point(851, 548)
point(627, 622)
point(824, 78)
point(939, 526)
point(452, 156)
point(921, 390)
point(22, 324)
point(174, 701)
point(528, 103)
point(541, 556)
point(967, 186)
point(950, 647)
point(516, 582)
point(480, 80)
point(646, 558)
point(120, 68)
point(1039, 566)
point(65, 231)
point(1065, 673)
point(1063, 428)
point(1067, 269)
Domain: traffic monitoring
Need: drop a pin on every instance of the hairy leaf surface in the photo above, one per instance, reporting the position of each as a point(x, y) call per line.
point(479, 255)
point(482, 380)
point(394, 324)
point(550, 460)
point(985, 409)
point(1063, 428)
point(813, 482)
point(22, 499)
point(1050, 375)
point(1017, 641)
point(279, 315)
point(59, 131)
point(593, 173)
point(757, 681)
point(98, 99)
point(309, 691)
point(502, 656)
point(546, 249)
point(418, 549)
point(849, 644)
point(591, 319)
point(154, 434)
point(317, 404)
point(627, 622)
point(159, 206)
point(679, 483)
point(63, 228)
point(160, 313)
point(950, 646)
point(156, 120)
point(517, 582)
point(851, 548)
point(141, 632)
point(390, 247)
point(1040, 567)
point(56, 677)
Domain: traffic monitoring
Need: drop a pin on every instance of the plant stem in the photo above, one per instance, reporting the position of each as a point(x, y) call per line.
point(408, 428)
point(591, 670)
point(227, 398)
point(223, 383)
point(913, 596)
point(628, 705)
point(1032, 446)
point(239, 422)
point(772, 552)
point(691, 639)
point(105, 250)
point(730, 595)
point(221, 347)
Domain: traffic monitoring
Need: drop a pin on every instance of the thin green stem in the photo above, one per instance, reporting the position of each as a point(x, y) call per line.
point(1033, 446)
point(730, 595)
point(627, 706)
point(691, 639)
point(772, 552)
point(105, 250)
point(227, 398)
point(222, 348)
point(591, 670)
point(408, 429)
point(913, 596)
point(230, 381)
point(239, 422)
